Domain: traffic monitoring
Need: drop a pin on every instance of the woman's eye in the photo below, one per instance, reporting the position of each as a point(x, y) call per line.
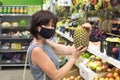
point(52, 25)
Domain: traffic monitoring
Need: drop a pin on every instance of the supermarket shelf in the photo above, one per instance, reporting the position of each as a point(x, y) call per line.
point(64, 35)
point(15, 15)
point(12, 63)
point(15, 28)
point(95, 49)
point(16, 38)
point(113, 34)
point(13, 50)
point(10, 39)
point(17, 64)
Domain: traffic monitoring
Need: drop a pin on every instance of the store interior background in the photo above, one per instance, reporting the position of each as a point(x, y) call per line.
point(10, 70)
point(15, 37)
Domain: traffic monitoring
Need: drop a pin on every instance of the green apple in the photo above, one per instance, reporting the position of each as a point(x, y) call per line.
point(104, 62)
point(98, 69)
point(94, 66)
point(99, 63)
point(97, 58)
point(92, 57)
point(90, 64)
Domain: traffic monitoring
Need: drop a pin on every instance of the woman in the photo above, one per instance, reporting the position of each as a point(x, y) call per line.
point(42, 53)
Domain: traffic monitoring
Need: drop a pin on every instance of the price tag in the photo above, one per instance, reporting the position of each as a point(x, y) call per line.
point(64, 2)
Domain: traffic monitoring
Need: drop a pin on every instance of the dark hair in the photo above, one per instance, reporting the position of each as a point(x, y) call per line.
point(41, 17)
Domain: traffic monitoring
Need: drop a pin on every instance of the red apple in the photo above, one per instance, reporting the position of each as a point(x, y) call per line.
point(115, 49)
point(105, 67)
point(110, 75)
point(117, 70)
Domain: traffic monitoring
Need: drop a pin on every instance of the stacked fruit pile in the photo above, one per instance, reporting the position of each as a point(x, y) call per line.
point(73, 78)
point(86, 54)
point(97, 34)
point(98, 65)
point(111, 75)
point(13, 24)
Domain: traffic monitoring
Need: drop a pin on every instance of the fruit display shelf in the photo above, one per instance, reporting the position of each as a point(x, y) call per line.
point(113, 34)
point(64, 35)
point(94, 48)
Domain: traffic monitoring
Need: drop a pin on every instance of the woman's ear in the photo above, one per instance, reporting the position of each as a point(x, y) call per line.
point(39, 28)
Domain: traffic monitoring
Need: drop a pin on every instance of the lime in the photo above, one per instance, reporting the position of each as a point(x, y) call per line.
point(74, 24)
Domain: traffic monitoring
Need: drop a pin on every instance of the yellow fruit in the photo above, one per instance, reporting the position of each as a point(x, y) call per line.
point(72, 77)
point(81, 37)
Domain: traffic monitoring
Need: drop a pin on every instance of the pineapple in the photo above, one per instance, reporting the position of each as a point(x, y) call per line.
point(81, 37)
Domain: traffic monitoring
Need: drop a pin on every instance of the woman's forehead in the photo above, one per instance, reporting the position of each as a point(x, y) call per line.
point(51, 21)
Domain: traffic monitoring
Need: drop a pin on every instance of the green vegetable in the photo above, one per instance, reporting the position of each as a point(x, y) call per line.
point(75, 24)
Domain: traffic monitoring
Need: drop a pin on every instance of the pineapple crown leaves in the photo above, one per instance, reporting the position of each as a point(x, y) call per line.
point(82, 18)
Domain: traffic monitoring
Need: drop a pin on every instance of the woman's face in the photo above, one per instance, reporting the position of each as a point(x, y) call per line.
point(50, 25)
point(46, 31)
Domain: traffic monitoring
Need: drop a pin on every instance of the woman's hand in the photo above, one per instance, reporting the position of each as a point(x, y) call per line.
point(77, 52)
point(87, 26)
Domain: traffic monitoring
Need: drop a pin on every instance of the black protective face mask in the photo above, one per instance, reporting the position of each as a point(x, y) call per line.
point(46, 32)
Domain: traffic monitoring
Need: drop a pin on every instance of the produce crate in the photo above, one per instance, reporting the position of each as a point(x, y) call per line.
point(88, 74)
point(111, 75)
point(74, 73)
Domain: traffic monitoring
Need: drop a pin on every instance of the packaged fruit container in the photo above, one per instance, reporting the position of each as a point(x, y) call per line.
point(113, 74)
point(113, 47)
point(17, 46)
point(87, 73)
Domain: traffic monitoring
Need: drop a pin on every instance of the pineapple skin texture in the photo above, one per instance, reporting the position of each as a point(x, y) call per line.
point(80, 37)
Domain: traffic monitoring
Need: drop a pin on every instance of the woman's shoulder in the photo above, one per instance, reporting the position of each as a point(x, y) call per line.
point(34, 46)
